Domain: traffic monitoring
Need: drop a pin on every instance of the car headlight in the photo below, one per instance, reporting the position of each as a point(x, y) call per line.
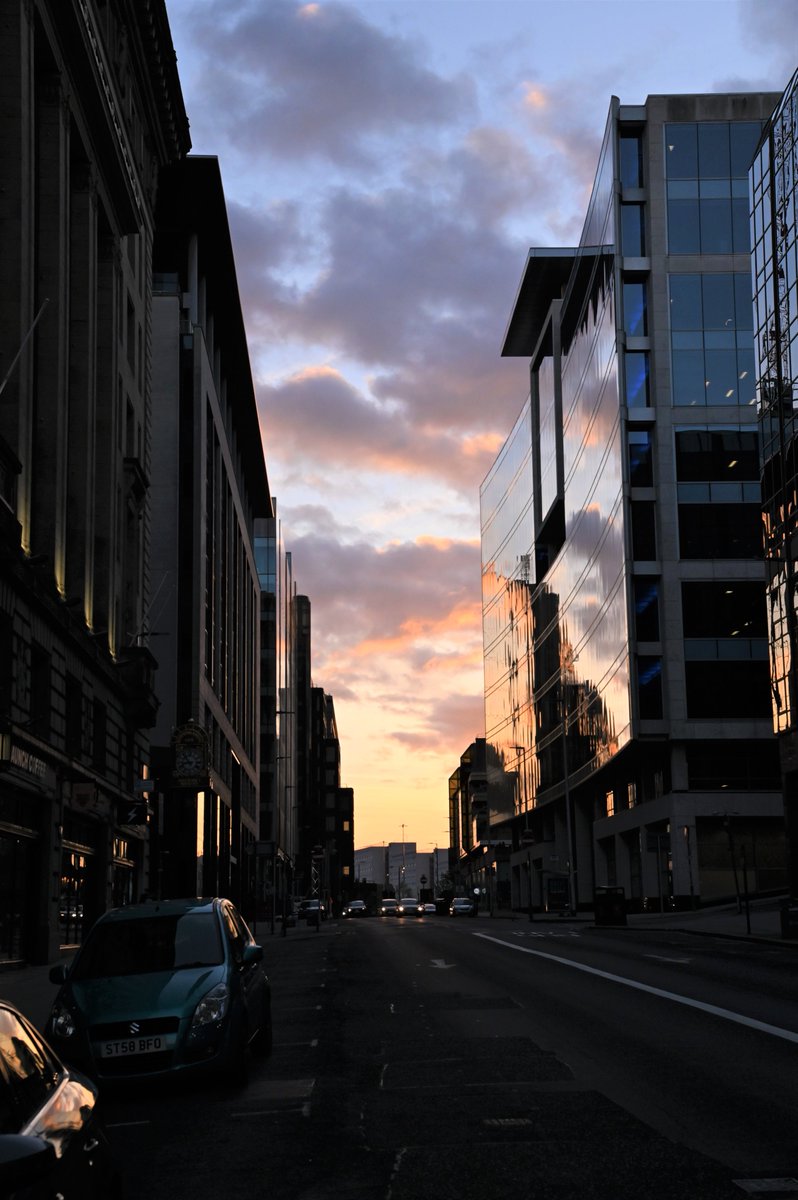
point(211, 1007)
point(63, 1021)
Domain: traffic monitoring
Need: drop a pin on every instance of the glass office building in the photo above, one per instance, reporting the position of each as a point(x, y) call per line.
point(775, 274)
point(628, 738)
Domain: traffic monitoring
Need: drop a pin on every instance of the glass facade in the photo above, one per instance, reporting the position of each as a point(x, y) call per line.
point(556, 645)
point(712, 344)
point(775, 274)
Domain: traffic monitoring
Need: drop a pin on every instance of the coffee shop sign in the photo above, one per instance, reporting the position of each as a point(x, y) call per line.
point(27, 762)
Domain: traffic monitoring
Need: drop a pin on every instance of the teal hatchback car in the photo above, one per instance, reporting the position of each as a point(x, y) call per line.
point(163, 988)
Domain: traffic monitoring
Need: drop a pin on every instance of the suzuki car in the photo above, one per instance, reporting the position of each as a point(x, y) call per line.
point(165, 987)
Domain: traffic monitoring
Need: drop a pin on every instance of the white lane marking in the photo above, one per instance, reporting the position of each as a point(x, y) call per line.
point(725, 1013)
point(441, 964)
point(663, 958)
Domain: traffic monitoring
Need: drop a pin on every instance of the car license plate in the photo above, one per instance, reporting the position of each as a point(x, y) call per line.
point(136, 1045)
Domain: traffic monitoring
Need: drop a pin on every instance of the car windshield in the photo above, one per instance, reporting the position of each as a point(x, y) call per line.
point(137, 947)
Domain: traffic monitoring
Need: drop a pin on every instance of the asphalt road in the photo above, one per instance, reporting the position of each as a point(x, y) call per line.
point(436, 1058)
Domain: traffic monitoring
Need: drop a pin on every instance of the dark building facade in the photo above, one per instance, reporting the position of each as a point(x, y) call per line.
point(209, 489)
point(625, 628)
point(774, 230)
point(91, 111)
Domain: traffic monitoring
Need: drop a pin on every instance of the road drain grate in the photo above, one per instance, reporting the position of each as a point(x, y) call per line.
point(506, 1122)
point(785, 1188)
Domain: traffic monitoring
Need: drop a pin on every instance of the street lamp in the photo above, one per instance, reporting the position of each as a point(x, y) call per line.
point(567, 660)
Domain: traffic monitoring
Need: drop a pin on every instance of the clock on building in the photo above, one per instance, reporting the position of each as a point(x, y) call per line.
point(190, 747)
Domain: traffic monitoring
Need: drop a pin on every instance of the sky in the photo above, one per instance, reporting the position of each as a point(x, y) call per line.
point(387, 164)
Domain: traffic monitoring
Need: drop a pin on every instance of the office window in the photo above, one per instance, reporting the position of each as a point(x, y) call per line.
point(706, 165)
point(712, 349)
point(649, 687)
point(633, 238)
point(73, 735)
point(631, 159)
point(719, 454)
point(635, 320)
point(644, 532)
point(646, 601)
point(737, 765)
point(727, 689)
point(40, 697)
point(720, 531)
point(640, 450)
point(733, 609)
point(636, 376)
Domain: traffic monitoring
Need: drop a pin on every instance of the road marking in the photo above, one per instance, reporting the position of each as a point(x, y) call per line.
point(725, 1013)
point(442, 964)
point(663, 958)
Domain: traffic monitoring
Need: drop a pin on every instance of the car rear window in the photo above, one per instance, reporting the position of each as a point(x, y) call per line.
point(138, 947)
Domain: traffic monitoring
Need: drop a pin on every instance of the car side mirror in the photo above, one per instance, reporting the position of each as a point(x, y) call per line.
point(24, 1160)
point(58, 973)
point(252, 954)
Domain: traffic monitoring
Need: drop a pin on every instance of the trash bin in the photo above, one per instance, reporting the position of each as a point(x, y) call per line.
point(609, 906)
point(788, 910)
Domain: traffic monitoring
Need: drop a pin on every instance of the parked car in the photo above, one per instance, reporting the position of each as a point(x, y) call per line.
point(355, 908)
point(162, 988)
point(461, 906)
point(51, 1142)
point(389, 907)
point(311, 911)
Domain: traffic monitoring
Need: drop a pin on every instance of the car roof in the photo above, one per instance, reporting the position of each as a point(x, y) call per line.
point(162, 908)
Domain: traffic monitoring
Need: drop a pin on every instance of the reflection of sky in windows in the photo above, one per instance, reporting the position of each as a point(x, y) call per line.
point(712, 353)
point(707, 171)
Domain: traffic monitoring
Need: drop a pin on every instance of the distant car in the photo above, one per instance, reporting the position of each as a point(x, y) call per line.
point(427, 909)
point(164, 987)
point(355, 908)
point(461, 906)
point(311, 911)
point(389, 907)
point(51, 1142)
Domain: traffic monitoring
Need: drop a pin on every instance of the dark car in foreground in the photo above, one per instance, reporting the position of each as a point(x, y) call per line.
point(164, 988)
point(51, 1143)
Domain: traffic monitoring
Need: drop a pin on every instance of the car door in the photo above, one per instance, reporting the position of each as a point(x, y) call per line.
point(251, 978)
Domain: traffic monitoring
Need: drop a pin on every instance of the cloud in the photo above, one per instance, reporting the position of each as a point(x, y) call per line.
point(316, 80)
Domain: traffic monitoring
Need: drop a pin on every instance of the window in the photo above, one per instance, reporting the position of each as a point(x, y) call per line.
point(640, 449)
point(740, 765)
point(73, 724)
point(631, 160)
point(644, 534)
point(40, 699)
point(706, 165)
point(636, 375)
point(720, 531)
point(633, 238)
point(712, 350)
point(98, 735)
point(646, 601)
point(727, 689)
point(726, 609)
point(724, 455)
point(634, 308)
point(32, 1074)
point(649, 687)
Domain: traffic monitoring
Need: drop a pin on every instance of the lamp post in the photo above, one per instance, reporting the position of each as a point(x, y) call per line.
point(567, 660)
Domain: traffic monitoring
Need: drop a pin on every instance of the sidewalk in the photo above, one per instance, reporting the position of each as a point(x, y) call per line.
point(29, 988)
point(762, 921)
